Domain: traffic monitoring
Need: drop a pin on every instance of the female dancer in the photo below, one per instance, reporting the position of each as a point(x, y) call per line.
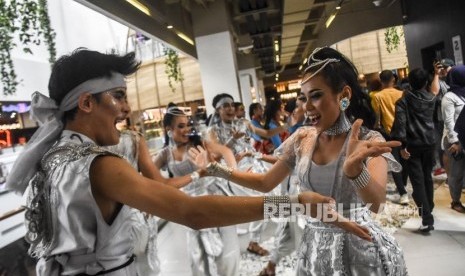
point(213, 251)
point(226, 130)
point(334, 158)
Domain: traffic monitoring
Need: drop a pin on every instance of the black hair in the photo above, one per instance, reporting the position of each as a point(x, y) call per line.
point(271, 108)
point(418, 79)
point(291, 105)
point(82, 65)
point(386, 76)
point(238, 104)
point(252, 108)
point(339, 74)
point(218, 98)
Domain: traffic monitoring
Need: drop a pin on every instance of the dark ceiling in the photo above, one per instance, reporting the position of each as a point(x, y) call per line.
point(296, 27)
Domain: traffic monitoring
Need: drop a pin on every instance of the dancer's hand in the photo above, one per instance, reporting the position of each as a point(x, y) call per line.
point(323, 208)
point(359, 150)
point(200, 157)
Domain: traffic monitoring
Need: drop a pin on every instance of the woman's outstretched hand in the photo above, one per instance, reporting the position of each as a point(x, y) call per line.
point(359, 150)
point(323, 208)
point(200, 157)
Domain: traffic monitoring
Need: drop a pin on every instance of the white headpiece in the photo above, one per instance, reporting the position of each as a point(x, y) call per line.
point(49, 115)
point(314, 62)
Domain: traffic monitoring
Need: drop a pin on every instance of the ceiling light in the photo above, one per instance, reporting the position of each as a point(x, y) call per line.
point(338, 7)
point(185, 37)
point(300, 67)
point(143, 8)
point(169, 27)
point(277, 75)
point(330, 19)
point(276, 47)
point(277, 58)
point(305, 60)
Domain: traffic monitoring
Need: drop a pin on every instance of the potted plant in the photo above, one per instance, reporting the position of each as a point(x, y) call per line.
point(172, 69)
point(392, 38)
point(29, 23)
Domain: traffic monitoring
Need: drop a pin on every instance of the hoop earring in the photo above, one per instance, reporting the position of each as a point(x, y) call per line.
point(344, 103)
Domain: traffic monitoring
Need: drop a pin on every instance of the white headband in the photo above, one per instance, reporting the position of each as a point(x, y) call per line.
point(49, 115)
point(93, 86)
point(223, 101)
point(174, 110)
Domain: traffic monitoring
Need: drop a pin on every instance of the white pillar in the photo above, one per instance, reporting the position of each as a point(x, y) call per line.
point(217, 62)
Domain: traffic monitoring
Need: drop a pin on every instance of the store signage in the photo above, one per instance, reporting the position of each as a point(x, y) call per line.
point(293, 85)
point(5, 138)
point(18, 108)
point(457, 46)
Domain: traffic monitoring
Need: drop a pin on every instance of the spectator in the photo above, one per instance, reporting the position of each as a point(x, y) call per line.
point(240, 110)
point(414, 127)
point(439, 85)
point(452, 104)
point(384, 107)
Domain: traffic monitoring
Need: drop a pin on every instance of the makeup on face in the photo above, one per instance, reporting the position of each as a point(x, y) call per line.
point(321, 105)
point(227, 105)
point(118, 94)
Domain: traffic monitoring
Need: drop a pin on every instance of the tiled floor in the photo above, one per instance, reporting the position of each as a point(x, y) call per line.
point(443, 251)
point(440, 253)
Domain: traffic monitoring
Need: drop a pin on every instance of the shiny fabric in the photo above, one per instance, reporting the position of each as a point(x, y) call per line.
point(327, 250)
point(145, 227)
point(81, 240)
point(224, 134)
point(208, 252)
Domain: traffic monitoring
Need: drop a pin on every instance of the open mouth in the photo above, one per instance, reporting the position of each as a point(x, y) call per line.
point(119, 123)
point(312, 120)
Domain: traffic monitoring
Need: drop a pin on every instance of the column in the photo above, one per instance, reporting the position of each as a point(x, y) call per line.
point(216, 51)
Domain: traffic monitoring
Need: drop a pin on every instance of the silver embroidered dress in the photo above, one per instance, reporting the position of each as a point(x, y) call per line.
point(328, 250)
point(66, 227)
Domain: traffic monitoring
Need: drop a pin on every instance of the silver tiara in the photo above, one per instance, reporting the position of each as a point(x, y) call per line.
point(314, 62)
point(174, 110)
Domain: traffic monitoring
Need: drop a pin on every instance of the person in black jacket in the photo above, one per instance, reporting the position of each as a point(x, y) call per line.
point(414, 127)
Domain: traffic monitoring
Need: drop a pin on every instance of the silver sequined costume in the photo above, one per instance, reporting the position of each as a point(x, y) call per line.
point(224, 134)
point(145, 228)
point(213, 251)
point(66, 228)
point(328, 250)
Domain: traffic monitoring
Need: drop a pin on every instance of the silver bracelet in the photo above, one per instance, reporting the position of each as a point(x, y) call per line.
point(362, 180)
point(195, 176)
point(219, 170)
point(258, 155)
point(273, 205)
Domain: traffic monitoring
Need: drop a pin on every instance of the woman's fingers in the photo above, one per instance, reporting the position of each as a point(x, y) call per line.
point(391, 144)
point(356, 129)
point(353, 227)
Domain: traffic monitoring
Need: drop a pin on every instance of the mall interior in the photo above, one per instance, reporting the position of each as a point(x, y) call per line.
point(255, 51)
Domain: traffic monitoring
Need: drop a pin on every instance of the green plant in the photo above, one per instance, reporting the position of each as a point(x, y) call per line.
point(392, 38)
point(172, 69)
point(28, 22)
